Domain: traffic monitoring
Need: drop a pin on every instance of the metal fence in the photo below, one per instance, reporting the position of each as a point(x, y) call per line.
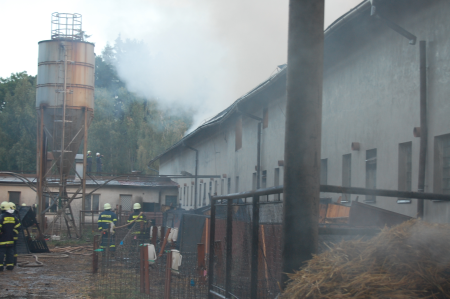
point(130, 272)
point(245, 245)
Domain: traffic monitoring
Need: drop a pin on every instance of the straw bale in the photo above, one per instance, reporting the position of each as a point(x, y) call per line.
point(411, 260)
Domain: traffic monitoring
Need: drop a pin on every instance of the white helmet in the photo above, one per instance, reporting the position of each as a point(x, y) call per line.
point(12, 206)
point(136, 206)
point(98, 154)
point(24, 205)
point(4, 206)
point(107, 206)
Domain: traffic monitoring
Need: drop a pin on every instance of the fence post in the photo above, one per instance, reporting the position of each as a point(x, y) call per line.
point(255, 243)
point(81, 232)
point(212, 232)
point(142, 271)
point(154, 234)
point(95, 256)
point(168, 275)
point(229, 248)
point(201, 265)
point(146, 268)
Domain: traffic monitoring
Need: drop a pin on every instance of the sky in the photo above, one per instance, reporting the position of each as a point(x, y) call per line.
point(202, 54)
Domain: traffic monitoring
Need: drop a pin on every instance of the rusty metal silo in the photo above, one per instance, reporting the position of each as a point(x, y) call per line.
point(64, 101)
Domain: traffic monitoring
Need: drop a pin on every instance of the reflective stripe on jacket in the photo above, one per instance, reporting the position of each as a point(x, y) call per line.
point(141, 218)
point(9, 225)
point(105, 218)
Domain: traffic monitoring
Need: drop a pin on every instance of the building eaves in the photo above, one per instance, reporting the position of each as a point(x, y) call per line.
point(225, 114)
point(363, 7)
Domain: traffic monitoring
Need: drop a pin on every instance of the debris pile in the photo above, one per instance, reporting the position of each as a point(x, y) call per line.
point(411, 260)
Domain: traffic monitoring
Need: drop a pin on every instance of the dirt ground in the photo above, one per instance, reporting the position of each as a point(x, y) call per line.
point(69, 277)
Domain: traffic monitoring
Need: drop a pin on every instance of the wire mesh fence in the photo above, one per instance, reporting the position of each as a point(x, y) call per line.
point(132, 269)
point(240, 259)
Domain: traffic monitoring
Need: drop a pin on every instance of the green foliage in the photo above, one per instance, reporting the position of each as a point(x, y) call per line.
point(18, 123)
point(127, 130)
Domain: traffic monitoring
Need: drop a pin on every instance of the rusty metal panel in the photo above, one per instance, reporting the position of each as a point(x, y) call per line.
point(366, 215)
point(80, 73)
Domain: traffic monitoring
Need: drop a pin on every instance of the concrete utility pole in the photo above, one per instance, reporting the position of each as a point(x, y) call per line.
point(303, 133)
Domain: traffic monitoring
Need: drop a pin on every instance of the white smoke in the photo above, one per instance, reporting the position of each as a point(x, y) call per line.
point(204, 54)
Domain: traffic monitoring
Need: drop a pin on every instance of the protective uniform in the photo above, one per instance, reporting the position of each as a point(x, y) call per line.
point(89, 162)
point(8, 227)
point(104, 220)
point(140, 226)
point(12, 206)
point(98, 160)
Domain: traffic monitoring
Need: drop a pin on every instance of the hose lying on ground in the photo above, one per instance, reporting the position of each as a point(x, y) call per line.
point(73, 250)
point(37, 263)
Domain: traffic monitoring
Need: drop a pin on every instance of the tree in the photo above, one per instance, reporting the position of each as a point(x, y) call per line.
point(18, 123)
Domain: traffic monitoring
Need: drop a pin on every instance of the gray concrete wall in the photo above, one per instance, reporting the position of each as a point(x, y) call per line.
point(370, 96)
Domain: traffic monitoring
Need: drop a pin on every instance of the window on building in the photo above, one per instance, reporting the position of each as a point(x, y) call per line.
point(442, 164)
point(236, 189)
point(238, 134)
point(126, 202)
point(49, 199)
point(323, 171)
point(192, 196)
point(171, 201)
point(276, 181)
point(222, 190)
point(254, 181)
point(184, 196)
point(404, 169)
point(200, 194)
point(346, 176)
point(150, 207)
point(215, 187)
point(14, 197)
point(229, 186)
point(188, 196)
point(265, 117)
point(371, 173)
point(92, 202)
point(264, 183)
point(204, 192)
point(210, 191)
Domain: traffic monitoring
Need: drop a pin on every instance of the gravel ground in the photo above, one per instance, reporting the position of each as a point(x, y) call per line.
point(69, 277)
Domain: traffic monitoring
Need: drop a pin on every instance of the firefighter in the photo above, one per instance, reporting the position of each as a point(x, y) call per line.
point(98, 160)
point(8, 228)
point(89, 162)
point(140, 226)
point(104, 221)
point(12, 207)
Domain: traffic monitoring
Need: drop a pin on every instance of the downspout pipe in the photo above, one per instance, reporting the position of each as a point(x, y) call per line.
point(423, 126)
point(258, 147)
point(196, 172)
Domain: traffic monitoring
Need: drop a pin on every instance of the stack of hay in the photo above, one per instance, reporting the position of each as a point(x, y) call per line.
point(411, 260)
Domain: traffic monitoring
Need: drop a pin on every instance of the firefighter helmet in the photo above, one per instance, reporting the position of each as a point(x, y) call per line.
point(4, 206)
point(107, 206)
point(136, 206)
point(12, 206)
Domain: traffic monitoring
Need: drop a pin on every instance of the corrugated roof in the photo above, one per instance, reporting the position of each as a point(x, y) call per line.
point(148, 182)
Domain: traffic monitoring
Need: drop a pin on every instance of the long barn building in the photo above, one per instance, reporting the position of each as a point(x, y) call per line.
point(371, 98)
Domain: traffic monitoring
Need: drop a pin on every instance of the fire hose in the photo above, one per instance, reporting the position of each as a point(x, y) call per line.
point(37, 263)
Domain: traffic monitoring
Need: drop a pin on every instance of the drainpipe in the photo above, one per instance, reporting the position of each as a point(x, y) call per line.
point(196, 172)
point(258, 147)
point(423, 125)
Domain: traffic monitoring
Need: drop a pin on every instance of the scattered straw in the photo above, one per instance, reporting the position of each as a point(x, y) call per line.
point(411, 260)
